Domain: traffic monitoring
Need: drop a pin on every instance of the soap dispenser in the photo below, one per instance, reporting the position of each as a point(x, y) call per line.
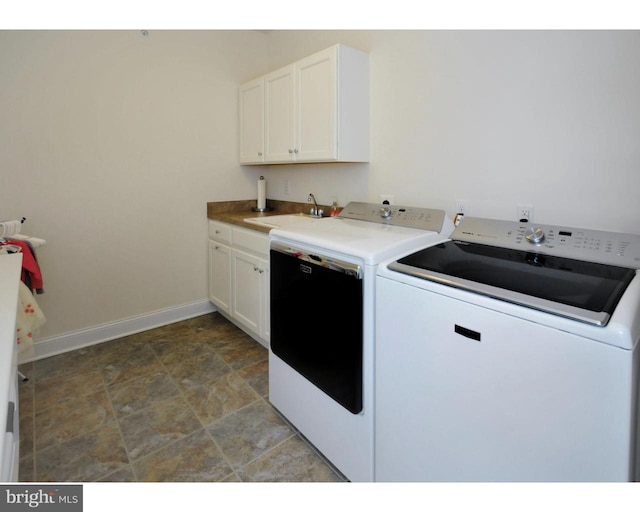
point(334, 208)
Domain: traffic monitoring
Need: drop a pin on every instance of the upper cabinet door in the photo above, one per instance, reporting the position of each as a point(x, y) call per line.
point(280, 116)
point(317, 109)
point(251, 99)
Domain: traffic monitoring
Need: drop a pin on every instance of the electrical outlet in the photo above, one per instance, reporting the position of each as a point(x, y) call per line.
point(387, 198)
point(524, 212)
point(287, 187)
point(462, 206)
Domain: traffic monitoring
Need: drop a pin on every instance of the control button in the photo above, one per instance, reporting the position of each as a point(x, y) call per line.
point(385, 212)
point(535, 235)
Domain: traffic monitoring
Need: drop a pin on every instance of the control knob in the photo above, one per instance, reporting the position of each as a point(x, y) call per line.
point(385, 212)
point(534, 234)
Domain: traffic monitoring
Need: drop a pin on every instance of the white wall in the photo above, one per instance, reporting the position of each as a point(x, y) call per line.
point(112, 143)
point(547, 118)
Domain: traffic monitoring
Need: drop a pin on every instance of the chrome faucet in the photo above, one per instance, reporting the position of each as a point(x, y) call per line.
point(315, 211)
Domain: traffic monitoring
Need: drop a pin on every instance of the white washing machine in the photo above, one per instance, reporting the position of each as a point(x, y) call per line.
point(509, 353)
point(322, 279)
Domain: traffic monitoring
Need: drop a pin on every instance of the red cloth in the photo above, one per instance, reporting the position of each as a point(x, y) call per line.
point(31, 273)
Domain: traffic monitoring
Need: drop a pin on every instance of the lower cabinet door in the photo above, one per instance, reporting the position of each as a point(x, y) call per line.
point(220, 275)
point(249, 281)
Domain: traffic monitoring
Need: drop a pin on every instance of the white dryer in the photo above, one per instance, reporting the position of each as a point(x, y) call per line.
point(322, 292)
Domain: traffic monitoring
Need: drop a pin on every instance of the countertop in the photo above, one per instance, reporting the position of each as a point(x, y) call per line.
point(234, 212)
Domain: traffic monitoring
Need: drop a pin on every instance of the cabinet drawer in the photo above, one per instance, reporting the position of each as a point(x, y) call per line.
point(220, 231)
point(256, 242)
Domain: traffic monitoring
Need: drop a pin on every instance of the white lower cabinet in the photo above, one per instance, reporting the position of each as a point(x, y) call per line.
point(249, 278)
point(220, 275)
point(239, 277)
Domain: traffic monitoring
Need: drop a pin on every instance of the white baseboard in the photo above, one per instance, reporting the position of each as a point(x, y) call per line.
point(100, 333)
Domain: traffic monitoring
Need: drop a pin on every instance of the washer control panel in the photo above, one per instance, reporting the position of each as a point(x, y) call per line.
point(605, 247)
point(406, 216)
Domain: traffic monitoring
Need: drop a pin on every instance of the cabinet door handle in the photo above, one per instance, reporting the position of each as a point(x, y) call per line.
point(10, 414)
point(290, 151)
point(467, 333)
point(259, 153)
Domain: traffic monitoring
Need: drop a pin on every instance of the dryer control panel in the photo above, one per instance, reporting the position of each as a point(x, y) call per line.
point(406, 216)
point(605, 247)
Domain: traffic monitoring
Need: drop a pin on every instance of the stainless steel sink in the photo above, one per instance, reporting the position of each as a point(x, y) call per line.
point(278, 221)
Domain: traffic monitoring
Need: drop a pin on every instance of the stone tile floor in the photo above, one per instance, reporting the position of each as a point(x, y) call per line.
point(185, 402)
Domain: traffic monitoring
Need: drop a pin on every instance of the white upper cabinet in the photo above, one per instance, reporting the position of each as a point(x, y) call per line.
point(315, 110)
point(317, 107)
point(280, 115)
point(251, 97)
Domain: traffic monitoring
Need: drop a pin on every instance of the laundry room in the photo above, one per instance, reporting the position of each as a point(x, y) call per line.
point(115, 143)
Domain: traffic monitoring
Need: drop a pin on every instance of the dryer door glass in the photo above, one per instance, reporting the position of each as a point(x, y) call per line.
point(317, 322)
